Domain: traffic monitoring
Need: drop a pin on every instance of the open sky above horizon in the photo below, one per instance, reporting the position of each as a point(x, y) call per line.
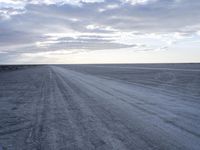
point(99, 31)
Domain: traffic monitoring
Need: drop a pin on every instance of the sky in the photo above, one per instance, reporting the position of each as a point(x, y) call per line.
point(99, 31)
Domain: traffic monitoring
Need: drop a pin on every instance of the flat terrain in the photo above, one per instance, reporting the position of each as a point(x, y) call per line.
point(100, 107)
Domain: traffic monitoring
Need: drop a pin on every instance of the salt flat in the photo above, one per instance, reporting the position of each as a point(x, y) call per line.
point(103, 107)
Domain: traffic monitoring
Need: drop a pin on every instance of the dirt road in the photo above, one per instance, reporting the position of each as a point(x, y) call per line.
point(61, 108)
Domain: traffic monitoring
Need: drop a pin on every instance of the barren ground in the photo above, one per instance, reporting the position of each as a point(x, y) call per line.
point(102, 107)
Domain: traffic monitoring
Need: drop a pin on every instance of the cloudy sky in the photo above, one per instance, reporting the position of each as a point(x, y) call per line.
point(99, 31)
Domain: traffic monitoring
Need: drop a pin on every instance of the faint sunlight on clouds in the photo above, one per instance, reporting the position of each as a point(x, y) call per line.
point(98, 31)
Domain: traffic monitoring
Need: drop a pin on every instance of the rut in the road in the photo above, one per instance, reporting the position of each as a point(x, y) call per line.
point(92, 133)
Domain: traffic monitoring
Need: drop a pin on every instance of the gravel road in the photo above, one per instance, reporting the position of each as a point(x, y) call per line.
point(100, 107)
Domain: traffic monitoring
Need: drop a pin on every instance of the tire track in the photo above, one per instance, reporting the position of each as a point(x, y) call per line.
point(90, 127)
point(80, 84)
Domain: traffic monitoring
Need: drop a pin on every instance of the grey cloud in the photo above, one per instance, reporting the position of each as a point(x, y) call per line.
point(23, 30)
point(160, 16)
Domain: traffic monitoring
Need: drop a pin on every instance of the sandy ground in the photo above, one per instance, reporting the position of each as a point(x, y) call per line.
point(100, 107)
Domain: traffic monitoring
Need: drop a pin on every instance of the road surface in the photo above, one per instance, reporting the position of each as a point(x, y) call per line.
point(100, 107)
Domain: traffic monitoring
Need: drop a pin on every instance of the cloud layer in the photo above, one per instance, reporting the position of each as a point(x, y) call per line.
point(35, 26)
